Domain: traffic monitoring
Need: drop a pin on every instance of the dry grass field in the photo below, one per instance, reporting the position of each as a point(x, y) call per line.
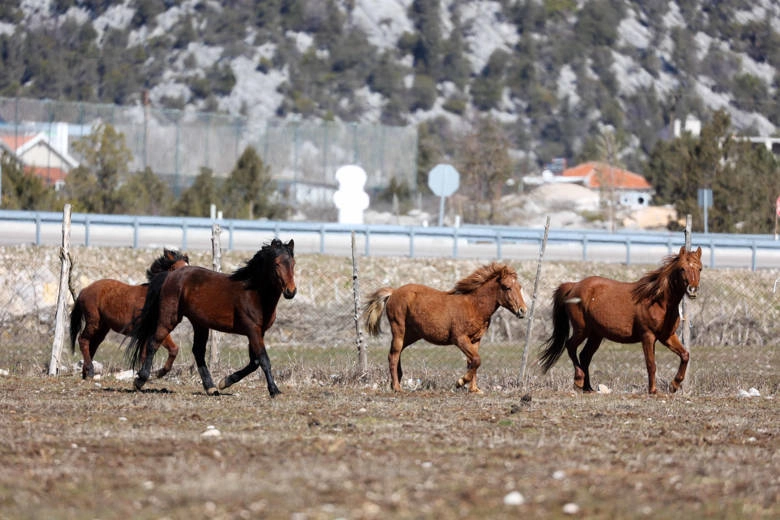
point(338, 445)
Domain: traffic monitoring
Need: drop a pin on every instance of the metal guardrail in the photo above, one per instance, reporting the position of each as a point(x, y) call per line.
point(499, 237)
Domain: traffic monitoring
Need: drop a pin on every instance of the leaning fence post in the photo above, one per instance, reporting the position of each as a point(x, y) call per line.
point(216, 265)
point(542, 249)
point(361, 347)
point(684, 319)
point(62, 295)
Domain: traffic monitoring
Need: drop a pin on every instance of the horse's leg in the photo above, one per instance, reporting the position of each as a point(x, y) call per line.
point(89, 340)
point(394, 359)
point(571, 348)
point(590, 348)
point(675, 345)
point(147, 357)
point(473, 362)
point(258, 357)
point(199, 340)
point(648, 348)
point(173, 351)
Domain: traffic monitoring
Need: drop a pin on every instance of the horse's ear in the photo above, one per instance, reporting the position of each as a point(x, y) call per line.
point(682, 251)
point(698, 252)
point(291, 245)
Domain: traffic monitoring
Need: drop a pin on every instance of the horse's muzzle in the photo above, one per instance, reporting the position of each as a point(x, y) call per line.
point(289, 295)
point(691, 291)
point(520, 313)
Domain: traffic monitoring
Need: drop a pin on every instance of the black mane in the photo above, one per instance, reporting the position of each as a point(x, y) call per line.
point(164, 263)
point(254, 272)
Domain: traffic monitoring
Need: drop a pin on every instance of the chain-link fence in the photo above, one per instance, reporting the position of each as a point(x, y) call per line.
point(314, 335)
point(176, 144)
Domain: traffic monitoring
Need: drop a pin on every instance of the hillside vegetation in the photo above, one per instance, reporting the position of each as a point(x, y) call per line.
point(553, 71)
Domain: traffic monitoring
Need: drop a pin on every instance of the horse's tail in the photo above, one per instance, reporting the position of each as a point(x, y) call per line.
point(373, 310)
point(553, 347)
point(144, 326)
point(76, 318)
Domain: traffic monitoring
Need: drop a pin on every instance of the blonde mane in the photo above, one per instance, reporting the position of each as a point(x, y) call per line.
point(655, 285)
point(481, 276)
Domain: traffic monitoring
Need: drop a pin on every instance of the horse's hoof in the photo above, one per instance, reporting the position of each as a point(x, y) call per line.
point(460, 383)
point(212, 391)
point(476, 391)
point(138, 384)
point(223, 383)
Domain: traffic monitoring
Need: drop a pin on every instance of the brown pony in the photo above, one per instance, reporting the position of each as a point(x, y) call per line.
point(642, 311)
point(460, 316)
point(111, 305)
point(240, 303)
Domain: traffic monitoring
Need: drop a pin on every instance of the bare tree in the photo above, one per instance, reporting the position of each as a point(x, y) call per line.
point(484, 164)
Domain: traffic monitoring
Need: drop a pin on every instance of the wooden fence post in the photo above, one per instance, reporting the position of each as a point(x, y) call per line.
point(361, 347)
point(685, 318)
point(216, 265)
point(542, 249)
point(62, 295)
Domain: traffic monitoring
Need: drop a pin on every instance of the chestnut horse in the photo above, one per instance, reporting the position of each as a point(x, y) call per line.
point(642, 311)
point(240, 303)
point(460, 316)
point(110, 304)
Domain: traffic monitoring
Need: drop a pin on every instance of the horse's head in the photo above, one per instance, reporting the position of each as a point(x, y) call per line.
point(689, 264)
point(169, 261)
point(511, 293)
point(176, 259)
point(284, 266)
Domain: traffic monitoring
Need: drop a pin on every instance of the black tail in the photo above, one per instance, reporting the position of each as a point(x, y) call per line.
point(555, 344)
point(76, 317)
point(145, 324)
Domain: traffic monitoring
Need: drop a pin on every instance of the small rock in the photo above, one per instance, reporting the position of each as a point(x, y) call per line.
point(211, 431)
point(752, 392)
point(604, 389)
point(571, 508)
point(124, 375)
point(4, 372)
point(515, 498)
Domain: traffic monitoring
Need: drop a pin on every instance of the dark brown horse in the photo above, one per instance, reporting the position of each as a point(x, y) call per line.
point(642, 311)
point(111, 305)
point(460, 316)
point(240, 303)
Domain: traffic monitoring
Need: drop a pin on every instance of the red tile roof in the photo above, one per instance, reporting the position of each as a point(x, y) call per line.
point(49, 175)
point(594, 174)
point(14, 142)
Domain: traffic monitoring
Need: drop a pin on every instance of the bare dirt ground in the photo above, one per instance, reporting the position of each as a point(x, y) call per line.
point(335, 446)
point(94, 449)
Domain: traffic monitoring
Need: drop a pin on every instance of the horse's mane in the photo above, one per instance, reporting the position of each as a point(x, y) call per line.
point(655, 285)
point(253, 272)
point(164, 263)
point(479, 277)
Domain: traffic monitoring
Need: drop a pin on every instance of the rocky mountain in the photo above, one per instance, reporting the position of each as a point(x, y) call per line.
point(555, 73)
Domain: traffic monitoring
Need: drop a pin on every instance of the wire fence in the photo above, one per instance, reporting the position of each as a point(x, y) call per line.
point(175, 144)
point(314, 336)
